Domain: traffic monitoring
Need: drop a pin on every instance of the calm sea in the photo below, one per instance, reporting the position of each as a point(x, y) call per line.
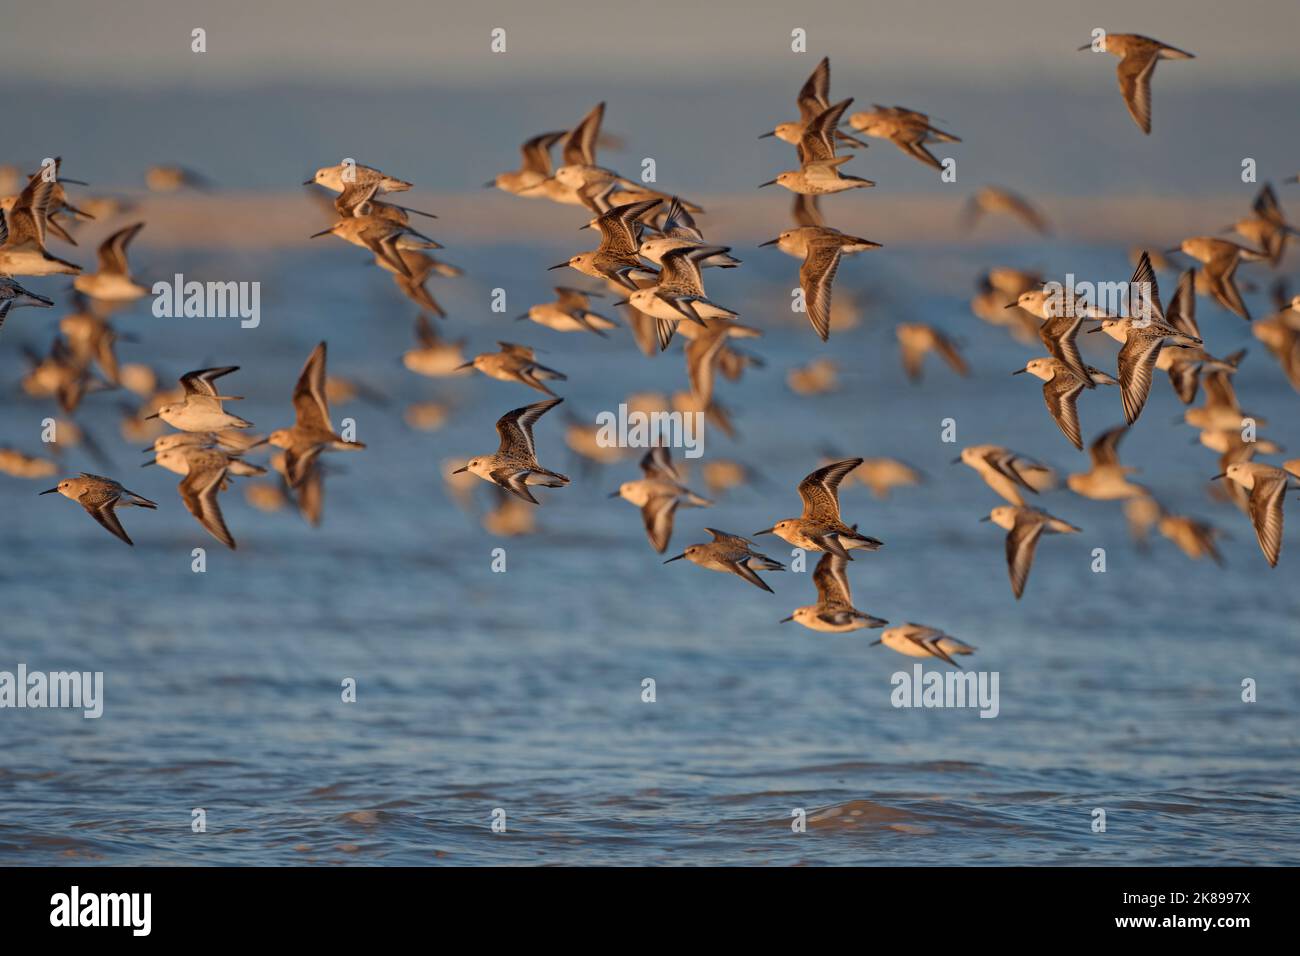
point(522, 691)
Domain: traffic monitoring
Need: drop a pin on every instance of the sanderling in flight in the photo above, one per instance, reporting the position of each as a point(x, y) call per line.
point(1061, 388)
point(434, 357)
point(814, 98)
point(906, 129)
point(818, 173)
point(1267, 229)
point(22, 234)
point(57, 205)
point(515, 363)
point(658, 495)
point(204, 471)
point(311, 432)
point(1107, 479)
point(1268, 486)
point(916, 340)
point(1001, 285)
point(1220, 258)
point(171, 178)
point(1144, 333)
point(101, 497)
point(679, 293)
point(834, 612)
point(731, 554)
point(917, 640)
point(994, 199)
point(344, 175)
point(1024, 526)
point(1138, 56)
point(820, 528)
point(513, 466)
point(113, 281)
point(383, 237)
point(533, 171)
point(570, 312)
point(200, 410)
point(615, 259)
point(1006, 471)
point(679, 232)
point(1196, 539)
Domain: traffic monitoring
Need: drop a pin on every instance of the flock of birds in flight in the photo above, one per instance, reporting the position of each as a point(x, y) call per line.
point(654, 257)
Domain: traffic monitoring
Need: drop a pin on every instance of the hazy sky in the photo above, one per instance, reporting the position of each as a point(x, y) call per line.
point(422, 42)
point(409, 84)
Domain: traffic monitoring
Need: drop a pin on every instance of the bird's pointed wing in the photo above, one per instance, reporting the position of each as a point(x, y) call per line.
point(820, 490)
point(1104, 449)
point(1266, 514)
point(1021, 541)
point(537, 153)
point(199, 492)
point(112, 252)
point(200, 382)
point(1137, 359)
point(658, 517)
point(103, 512)
point(309, 402)
point(830, 580)
point(817, 275)
point(1061, 394)
point(579, 145)
point(815, 93)
point(1135, 83)
point(741, 567)
point(658, 463)
point(516, 430)
point(1182, 307)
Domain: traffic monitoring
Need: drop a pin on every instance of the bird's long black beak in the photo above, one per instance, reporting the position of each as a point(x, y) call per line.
point(770, 242)
point(50, 492)
point(956, 461)
point(770, 182)
point(151, 461)
point(1011, 305)
point(490, 184)
point(1020, 371)
point(764, 531)
point(149, 417)
point(770, 132)
point(560, 265)
point(987, 518)
point(786, 620)
point(1222, 474)
point(678, 558)
point(1175, 249)
point(620, 302)
point(467, 364)
point(879, 640)
point(612, 494)
point(323, 232)
point(460, 469)
point(1086, 46)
